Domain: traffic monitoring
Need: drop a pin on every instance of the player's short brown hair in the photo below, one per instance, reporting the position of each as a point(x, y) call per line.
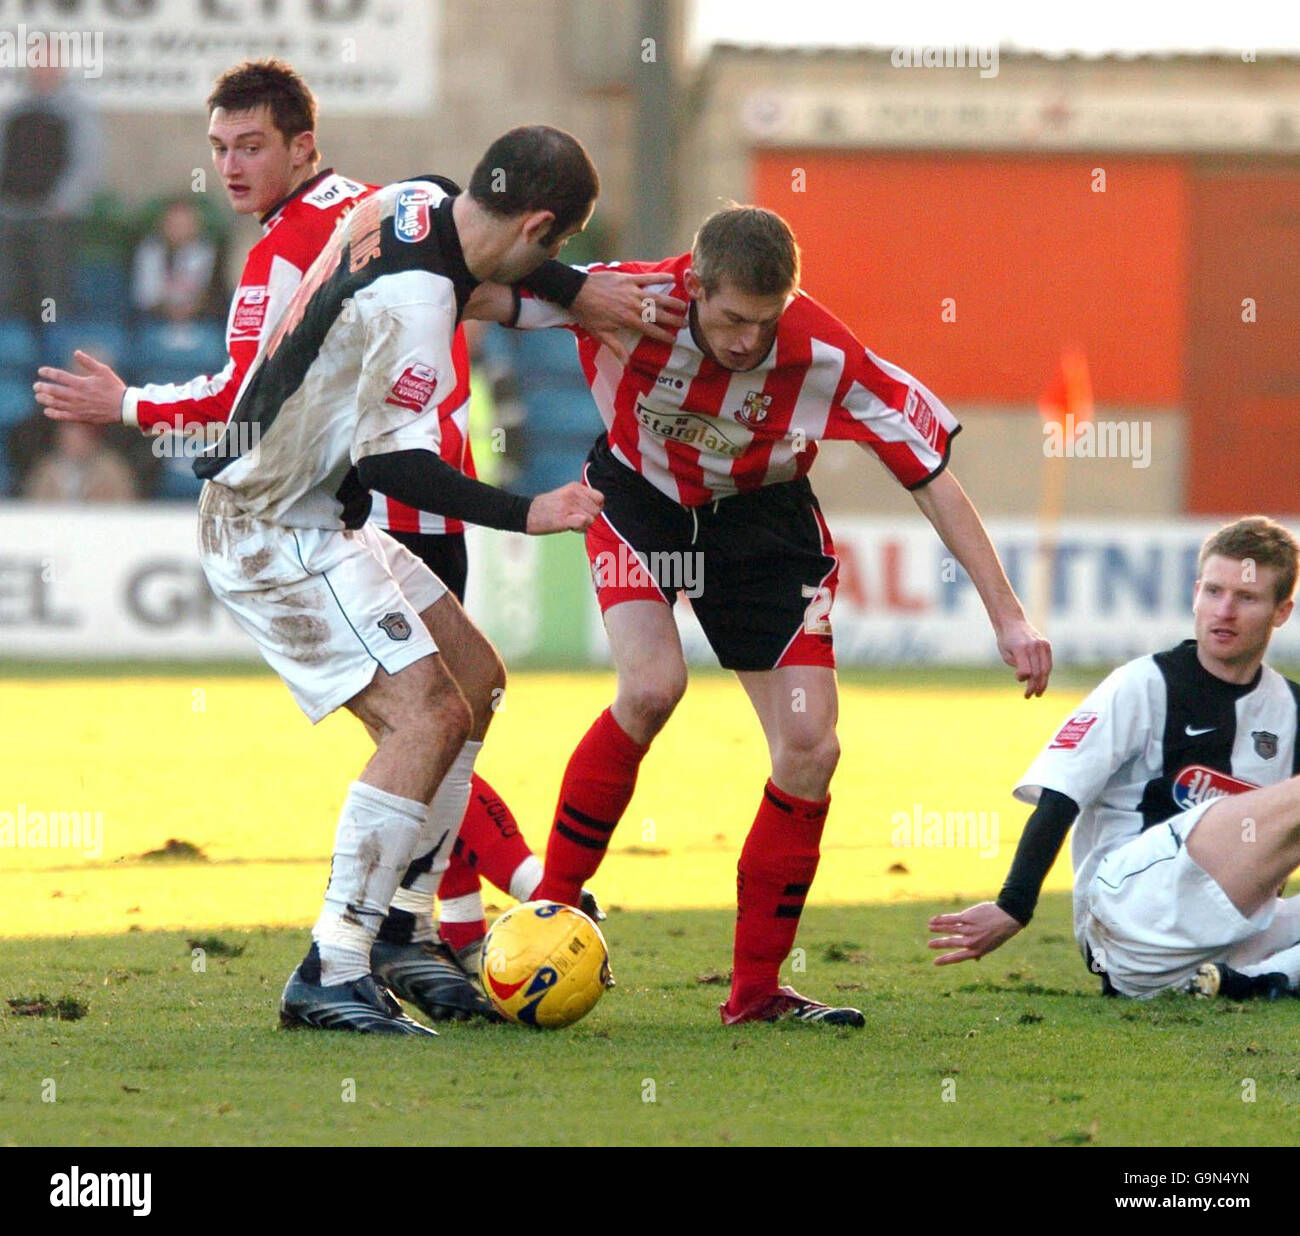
point(536, 167)
point(1261, 541)
point(271, 83)
point(748, 247)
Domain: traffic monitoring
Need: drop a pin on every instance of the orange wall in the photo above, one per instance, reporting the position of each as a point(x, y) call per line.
point(1033, 257)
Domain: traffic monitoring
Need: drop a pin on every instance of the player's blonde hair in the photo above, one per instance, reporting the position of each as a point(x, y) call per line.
point(748, 247)
point(1261, 541)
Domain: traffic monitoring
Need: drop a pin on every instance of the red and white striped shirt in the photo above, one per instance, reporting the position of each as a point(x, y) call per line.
point(293, 234)
point(699, 432)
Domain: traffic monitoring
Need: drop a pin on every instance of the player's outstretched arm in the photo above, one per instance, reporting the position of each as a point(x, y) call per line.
point(420, 479)
point(982, 928)
point(945, 504)
point(93, 397)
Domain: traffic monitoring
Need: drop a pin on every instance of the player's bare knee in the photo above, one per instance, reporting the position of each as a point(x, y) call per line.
point(806, 756)
point(652, 700)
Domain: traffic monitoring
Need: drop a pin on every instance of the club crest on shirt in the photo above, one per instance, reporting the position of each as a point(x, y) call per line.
point(395, 626)
point(1265, 744)
point(1072, 733)
point(1197, 784)
point(753, 411)
point(414, 388)
point(411, 221)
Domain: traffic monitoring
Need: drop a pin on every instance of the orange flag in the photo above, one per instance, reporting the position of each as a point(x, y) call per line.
point(1067, 399)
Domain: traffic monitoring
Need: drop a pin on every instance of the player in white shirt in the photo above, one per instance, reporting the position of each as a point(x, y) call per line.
point(1179, 854)
point(342, 400)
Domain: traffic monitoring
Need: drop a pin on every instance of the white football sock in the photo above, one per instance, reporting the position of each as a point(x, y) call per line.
point(372, 848)
point(438, 833)
point(527, 876)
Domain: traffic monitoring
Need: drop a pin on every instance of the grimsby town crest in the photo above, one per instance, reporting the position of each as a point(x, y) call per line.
point(754, 411)
point(395, 626)
point(1265, 744)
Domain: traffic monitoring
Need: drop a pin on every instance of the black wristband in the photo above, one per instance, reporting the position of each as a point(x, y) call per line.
point(554, 281)
point(422, 480)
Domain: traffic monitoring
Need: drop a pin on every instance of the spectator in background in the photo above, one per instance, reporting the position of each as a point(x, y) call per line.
point(49, 166)
point(80, 469)
point(175, 274)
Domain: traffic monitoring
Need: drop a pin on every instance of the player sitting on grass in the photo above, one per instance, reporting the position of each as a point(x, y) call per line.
point(1178, 856)
point(707, 448)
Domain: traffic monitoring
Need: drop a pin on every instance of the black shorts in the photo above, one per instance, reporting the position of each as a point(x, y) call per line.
point(758, 568)
point(443, 553)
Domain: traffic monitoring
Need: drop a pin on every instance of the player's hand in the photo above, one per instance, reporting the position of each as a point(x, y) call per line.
point(613, 301)
point(975, 932)
point(94, 398)
point(1021, 646)
point(571, 508)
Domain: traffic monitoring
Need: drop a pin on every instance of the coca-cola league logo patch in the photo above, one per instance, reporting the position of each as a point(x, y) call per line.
point(411, 219)
point(414, 387)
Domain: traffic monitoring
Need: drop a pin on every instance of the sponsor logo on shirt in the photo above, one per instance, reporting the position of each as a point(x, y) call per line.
point(754, 409)
point(250, 311)
point(667, 380)
point(702, 432)
point(1071, 734)
point(411, 221)
point(336, 189)
point(414, 388)
point(921, 416)
point(1197, 784)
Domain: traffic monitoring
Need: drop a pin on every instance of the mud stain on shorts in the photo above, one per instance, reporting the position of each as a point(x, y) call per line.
point(303, 638)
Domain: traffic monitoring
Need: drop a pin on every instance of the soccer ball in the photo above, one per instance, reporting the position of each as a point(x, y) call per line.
point(544, 964)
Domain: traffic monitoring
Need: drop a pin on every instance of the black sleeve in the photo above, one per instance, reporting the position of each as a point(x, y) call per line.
point(556, 282)
point(1039, 845)
point(420, 479)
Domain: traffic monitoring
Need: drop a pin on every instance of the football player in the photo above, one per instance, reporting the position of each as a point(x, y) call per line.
point(1179, 855)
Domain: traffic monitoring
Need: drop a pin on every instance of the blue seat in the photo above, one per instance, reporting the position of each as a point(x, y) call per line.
point(16, 400)
point(101, 337)
point(101, 290)
point(177, 480)
point(560, 409)
point(17, 346)
point(176, 351)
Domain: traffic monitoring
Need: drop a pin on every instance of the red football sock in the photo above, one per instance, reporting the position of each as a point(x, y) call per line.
point(494, 845)
point(776, 868)
point(596, 790)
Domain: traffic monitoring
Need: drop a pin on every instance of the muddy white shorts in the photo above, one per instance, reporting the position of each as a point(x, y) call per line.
point(1155, 915)
point(326, 608)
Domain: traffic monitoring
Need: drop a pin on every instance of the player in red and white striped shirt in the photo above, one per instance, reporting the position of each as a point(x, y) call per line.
point(703, 468)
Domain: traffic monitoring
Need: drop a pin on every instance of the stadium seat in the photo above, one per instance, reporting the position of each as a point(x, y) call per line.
point(102, 291)
point(101, 337)
point(16, 400)
point(178, 351)
point(177, 480)
point(17, 348)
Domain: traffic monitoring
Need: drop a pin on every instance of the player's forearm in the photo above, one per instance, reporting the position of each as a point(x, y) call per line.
point(422, 480)
point(1040, 843)
point(945, 504)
